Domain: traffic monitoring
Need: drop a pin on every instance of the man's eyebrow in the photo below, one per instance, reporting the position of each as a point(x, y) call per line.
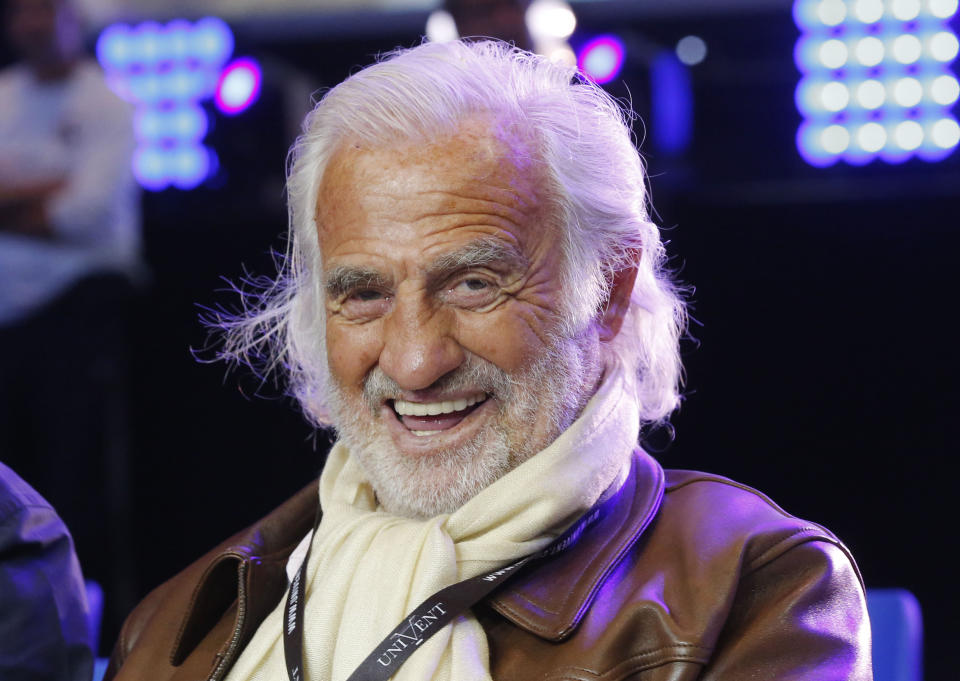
point(342, 279)
point(483, 252)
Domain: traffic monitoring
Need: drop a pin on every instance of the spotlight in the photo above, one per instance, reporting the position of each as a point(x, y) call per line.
point(906, 10)
point(601, 59)
point(869, 51)
point(907, 48)
point(441, 28)
point(945, 133)
point(563, 55)
point(692, 50)
point(212, 41)
point(871, 137)
point(868, 11)
point(907, 92)
point(238, 87)
point(835, 139)
point(833, 54)
point(550, 20)
point(188, 165)
point(875, 80)
point(943, 9)
point(945, 90)
point(908, 135)
point(835, 96)
point(150, 168)
point(114, 47)
point(871, 94)
point(832, 12)
point(943, 46)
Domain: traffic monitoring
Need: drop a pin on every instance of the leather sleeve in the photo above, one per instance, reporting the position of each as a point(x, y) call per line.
point(802, 615)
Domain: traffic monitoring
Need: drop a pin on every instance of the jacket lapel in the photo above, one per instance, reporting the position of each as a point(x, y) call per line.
point(244, 579)
point(551, 597)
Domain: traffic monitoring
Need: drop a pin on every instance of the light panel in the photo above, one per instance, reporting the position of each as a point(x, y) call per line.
point(165, 71)
point(876, 80)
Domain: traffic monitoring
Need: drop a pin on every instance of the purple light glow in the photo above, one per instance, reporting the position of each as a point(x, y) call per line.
point(238, 87)
point(602, 58)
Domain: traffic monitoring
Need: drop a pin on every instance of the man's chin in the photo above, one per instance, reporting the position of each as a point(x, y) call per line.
point(436, 481)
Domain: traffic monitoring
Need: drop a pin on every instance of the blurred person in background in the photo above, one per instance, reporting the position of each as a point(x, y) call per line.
point(501, 19)
point(44, 625)
point(69, 247)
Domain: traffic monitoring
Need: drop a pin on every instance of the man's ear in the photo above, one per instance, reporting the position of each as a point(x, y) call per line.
point(614, 312)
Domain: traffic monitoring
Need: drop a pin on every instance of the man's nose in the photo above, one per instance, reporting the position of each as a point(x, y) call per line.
point(419, 345)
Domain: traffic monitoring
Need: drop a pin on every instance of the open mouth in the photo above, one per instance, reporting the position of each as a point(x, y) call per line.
point(429, 418)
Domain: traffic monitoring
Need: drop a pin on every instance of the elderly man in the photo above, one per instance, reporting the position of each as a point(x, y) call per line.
point(475, 299)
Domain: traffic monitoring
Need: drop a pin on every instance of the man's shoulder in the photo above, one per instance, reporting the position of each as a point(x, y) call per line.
point(713, 512)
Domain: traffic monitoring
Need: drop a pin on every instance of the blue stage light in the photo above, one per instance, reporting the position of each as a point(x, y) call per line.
point(876, 80)
point(944, 90)
point(165, 71)
point(870, 94)
point(148, 44)
point(905, 10)
point(178, 39)
point(114, 50)
point(601, 59)
point(150, 168)
point(188, 165)
point(212, 41)
point(238, 87)
point(190, 122)
point(943, 9)
point(945, 133)
point(943, 46)
point(868, 11)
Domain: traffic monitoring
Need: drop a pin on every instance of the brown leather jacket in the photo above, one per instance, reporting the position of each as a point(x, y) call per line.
point(691, 576)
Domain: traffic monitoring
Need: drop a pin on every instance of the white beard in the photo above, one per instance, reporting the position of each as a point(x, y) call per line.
point(555, 388)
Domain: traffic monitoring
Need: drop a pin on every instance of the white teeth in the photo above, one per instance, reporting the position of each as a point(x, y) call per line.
point(424, 433)
point(405, 408)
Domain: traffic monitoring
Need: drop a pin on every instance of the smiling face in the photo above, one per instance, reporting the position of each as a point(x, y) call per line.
point(441, 267)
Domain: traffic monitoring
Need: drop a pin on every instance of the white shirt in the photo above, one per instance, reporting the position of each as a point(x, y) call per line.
point(79, 131)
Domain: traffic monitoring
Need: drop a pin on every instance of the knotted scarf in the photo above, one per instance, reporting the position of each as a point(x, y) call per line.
point(368, 569)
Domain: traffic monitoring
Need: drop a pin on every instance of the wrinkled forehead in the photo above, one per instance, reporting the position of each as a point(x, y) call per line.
point(481, 149)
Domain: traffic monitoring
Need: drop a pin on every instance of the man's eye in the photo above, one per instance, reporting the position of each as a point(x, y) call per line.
point(366, 295)
point(472, 292)
point(476, 284)
point(365, 304)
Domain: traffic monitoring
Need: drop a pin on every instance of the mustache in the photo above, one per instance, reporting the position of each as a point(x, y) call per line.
point(475, 373)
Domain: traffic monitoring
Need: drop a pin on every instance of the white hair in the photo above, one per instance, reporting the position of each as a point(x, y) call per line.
point(598, 190)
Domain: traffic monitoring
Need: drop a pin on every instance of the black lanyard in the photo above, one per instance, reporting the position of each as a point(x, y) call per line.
point(429, 617)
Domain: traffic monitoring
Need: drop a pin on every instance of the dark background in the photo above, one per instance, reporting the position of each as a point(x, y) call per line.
point(823, 370)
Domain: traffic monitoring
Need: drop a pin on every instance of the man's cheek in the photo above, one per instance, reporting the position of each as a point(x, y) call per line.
point(509, 342)
point(352, 352)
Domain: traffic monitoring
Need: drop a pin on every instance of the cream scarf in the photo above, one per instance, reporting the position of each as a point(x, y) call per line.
point(368, 569)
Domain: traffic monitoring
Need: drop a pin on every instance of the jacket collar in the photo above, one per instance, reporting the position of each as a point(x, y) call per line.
point(551, 597)
point(548, 598)
point(247, 571)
